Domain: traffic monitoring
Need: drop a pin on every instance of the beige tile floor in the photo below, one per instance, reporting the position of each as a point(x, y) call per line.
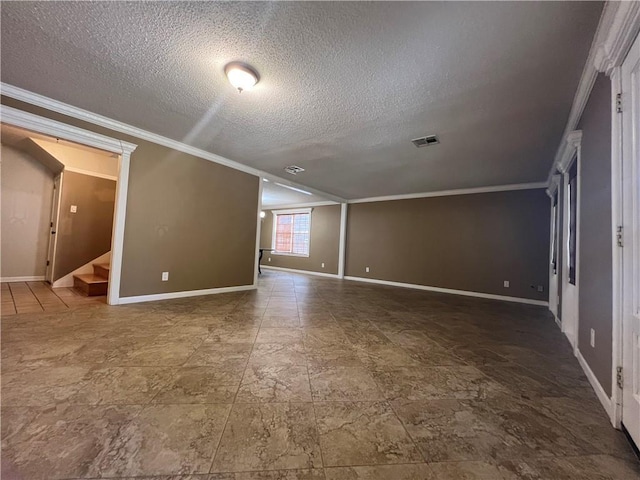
point(305, 378)
point(37, 297)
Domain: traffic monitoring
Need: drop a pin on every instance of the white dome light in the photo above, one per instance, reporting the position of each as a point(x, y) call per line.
point(241, 76)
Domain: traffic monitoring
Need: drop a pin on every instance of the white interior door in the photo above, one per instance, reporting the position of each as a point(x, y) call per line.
point(571, 206)
point(55, 207)
point(631, 242)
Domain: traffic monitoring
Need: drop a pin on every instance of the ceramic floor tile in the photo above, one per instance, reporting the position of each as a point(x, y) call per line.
point(278, 354)
point(343, 383)
point(304, 378)
point(269, 437)
point(61, 442)
point(465, 471)
point(279, 335)
point(432, 383)
point(274, 383)
point(381, 472)
point(591, 467)
point(215, 353)
point(163, 440)
point(217, 384)
point(359, 433)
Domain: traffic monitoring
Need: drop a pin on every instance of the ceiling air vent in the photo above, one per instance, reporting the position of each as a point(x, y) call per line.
point(293, 169)
point(425, 141)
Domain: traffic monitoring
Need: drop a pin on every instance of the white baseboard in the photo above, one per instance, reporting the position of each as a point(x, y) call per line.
point(22, 279)
point(188, 293)
point(606, 402)
point(449, 290)
point(308, 272)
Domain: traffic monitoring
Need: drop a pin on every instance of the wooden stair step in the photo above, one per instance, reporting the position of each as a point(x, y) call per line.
point(91, 284)
point(101, 270)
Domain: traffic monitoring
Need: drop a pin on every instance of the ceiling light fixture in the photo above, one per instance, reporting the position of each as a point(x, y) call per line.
point(241, 76)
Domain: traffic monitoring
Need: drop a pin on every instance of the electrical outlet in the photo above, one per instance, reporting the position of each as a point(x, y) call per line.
point(592, 341)
point(366, 269)
point(506, 284)
point(322, 264)
point(540, 288)
point(269, 258)
point(165, 276)
point(74, 208)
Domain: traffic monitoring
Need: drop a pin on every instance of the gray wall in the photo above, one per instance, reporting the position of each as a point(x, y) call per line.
point(323, 245)
point(595, 280)
point(86, 234)
point(191, 217)
point(27, 192)
point(462, 242)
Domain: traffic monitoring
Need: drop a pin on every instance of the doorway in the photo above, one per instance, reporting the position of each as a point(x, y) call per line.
point(570, 246)
point(123, 150)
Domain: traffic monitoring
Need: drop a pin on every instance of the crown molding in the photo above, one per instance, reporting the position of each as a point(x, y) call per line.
point(447, 193)
point(299, 205)
point(553, 186)
point(619, 24)
point(38, 100)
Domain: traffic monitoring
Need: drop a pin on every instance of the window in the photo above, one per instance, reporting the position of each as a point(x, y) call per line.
point(292, 231)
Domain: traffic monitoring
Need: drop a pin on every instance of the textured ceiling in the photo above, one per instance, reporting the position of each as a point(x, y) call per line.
point(344, 86)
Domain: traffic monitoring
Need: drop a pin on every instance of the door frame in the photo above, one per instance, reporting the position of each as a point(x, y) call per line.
point(570, 311)
point(555, 238)
point(55, 213)
point(622, 216)
point(46, 126)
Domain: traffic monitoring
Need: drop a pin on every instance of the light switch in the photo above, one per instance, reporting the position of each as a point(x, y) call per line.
point(74, 208)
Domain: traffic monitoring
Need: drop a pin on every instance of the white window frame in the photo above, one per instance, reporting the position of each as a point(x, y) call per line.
point(275, 226)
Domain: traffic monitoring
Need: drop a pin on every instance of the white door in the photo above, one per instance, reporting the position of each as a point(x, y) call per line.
point(571, 199)
point(55, 206)
point(631, 242)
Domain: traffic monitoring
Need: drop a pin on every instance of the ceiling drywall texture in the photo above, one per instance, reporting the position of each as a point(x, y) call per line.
point(344, 86)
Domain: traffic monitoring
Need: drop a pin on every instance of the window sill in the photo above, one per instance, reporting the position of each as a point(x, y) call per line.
point(286, 254)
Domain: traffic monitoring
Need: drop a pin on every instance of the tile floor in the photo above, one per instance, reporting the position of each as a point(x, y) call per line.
point(305, 378)
point(37, 297)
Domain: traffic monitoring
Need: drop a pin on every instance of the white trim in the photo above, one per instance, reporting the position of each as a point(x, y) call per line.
point(291, 211)
point(466, 293)
point(309, 272)
point(90, 173)
point(38, 278)
point(595, 384)
point(446, 193)
point(618, 28)
point(617, 260)
point(554, 183)
point(184, 294)
point(300, 205)
point(256, 267)
point(343, 239)
point(102, 121)
point(57, 129)
point(573, 141)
